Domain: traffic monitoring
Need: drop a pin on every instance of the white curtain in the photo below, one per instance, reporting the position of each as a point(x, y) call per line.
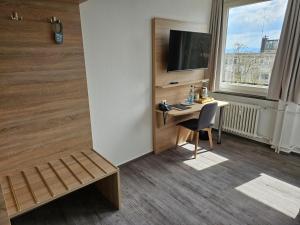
point(285, 79)
point(215, 28)
point(287, 128)
point(285, 82)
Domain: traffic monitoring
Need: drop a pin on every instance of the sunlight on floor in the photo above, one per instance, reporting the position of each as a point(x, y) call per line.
point(204, 160)
point(275, 193)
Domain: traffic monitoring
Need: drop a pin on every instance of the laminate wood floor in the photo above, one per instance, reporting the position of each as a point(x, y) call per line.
point(240, 182)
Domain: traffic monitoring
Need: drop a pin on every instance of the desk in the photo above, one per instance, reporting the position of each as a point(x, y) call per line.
point(197, 108)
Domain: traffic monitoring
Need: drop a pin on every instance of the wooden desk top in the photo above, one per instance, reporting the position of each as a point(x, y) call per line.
point(194, 108)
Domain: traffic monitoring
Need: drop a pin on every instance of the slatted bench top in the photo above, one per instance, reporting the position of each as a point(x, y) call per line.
point(34, 186)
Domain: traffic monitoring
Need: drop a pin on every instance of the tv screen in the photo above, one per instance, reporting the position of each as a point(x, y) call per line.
point(188, 50)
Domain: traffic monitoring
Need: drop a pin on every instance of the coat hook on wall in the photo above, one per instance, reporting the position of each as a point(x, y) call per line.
point(57, 28)
point(53, 20)
point(15, 16)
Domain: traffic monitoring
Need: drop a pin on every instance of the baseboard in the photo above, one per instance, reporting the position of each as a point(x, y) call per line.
point(290, 150)
point(135, 159)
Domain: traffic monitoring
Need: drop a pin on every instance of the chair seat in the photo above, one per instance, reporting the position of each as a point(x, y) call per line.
point(192, 124)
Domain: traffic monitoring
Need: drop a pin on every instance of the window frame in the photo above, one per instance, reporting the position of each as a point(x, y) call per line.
point(242, 89)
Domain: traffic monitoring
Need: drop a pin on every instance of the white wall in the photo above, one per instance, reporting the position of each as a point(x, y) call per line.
point(117, 45)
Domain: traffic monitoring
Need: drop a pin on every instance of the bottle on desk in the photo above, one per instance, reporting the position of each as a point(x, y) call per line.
point(204, 92)
point(191, 95)
point(197, 96)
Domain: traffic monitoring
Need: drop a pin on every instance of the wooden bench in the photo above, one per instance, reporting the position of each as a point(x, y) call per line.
point(32, 187)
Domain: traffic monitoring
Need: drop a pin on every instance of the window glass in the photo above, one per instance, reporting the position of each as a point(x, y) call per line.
point(252, 37)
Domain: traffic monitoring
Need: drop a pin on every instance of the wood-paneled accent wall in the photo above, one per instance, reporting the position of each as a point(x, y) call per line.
point(44, 108)
point(164, 137)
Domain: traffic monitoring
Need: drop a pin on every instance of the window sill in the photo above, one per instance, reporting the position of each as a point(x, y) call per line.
point(244, 95)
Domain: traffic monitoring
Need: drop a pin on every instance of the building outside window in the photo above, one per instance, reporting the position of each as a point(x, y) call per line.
point(250, 41)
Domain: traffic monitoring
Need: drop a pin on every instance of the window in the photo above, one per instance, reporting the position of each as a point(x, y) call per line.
point(250, 39)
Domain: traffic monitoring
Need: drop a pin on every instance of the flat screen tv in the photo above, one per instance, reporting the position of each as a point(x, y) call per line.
point(188, 50)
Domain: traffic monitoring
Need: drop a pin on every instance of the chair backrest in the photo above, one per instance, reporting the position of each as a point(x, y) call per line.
point(207, 114)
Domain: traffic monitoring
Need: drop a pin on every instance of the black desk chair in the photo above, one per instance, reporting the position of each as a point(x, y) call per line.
point(206, 116)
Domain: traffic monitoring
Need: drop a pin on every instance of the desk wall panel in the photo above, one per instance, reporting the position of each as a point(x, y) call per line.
point(164, 137)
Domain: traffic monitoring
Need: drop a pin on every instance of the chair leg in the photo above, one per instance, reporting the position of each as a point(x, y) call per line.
point(210, 138)
point(196, 136)
point(178, 135)
point(191, 137)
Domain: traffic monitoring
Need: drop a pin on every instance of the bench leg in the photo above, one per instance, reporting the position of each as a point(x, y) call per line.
point(4, 219)
point(110, 189)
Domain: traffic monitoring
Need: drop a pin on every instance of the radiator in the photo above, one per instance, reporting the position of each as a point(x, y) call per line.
point(241, 119)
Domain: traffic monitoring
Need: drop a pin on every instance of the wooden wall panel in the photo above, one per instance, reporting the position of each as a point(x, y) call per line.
point(164, 137)
point(44, 107)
